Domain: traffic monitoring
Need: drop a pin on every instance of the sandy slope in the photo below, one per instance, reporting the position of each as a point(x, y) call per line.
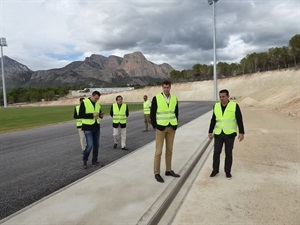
point(266, 177)
point(277, 89)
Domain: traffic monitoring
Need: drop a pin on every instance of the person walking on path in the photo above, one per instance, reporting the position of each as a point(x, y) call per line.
point(164, 118)
point(119, 112)
point(226, 118)
point(146, 109)
point(79, 125)
point(90, 112)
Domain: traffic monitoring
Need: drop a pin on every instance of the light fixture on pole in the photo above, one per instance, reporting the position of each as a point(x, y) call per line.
point(3, 44)
point(213, 2)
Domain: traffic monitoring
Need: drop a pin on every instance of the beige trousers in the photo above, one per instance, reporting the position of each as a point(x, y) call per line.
point(147, 120)
point(168, 134)
point(82, 139)
point(120, 132)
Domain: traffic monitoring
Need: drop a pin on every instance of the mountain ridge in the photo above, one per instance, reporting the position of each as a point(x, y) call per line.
point(96, 70)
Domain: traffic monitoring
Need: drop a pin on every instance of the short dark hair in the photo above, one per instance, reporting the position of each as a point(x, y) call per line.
point(119, 96)
point(96, 93)
point(225, 91)
point(166, 82)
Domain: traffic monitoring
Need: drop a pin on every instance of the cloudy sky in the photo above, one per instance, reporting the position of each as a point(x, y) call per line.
point(46, 34)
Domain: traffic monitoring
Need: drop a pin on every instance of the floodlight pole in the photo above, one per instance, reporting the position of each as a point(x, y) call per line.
point(2, 44)
point(213, 2)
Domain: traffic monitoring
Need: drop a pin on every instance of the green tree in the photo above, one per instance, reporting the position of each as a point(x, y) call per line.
point(175, 74)
point(279, 57)
point(243, 65)
point(235, 69)
point(33, 96)
point(294, 46)
point(263, 61)
point(223, 69)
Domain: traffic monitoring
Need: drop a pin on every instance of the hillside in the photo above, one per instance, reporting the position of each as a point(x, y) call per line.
point(94, 71)
point(278, 90)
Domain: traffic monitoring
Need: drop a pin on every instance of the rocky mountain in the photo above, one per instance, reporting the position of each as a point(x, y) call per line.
point(16, 74)
point(96, 70)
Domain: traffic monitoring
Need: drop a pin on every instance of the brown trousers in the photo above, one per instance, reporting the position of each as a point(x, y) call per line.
point(147, 120)
point(168, 134)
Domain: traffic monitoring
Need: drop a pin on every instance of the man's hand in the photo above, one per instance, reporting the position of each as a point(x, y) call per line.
point(241, 137)
point(96, 115)
point(210, 135)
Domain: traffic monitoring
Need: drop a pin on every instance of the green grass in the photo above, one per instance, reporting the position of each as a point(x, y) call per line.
point(20, 118)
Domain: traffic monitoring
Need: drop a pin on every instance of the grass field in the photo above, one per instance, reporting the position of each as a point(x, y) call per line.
point(20, 118)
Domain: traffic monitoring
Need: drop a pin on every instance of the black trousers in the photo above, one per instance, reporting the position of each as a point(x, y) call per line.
point(221, 139)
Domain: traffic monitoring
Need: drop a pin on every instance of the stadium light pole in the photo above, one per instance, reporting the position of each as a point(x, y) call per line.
point(3, 44)
point(213, 2)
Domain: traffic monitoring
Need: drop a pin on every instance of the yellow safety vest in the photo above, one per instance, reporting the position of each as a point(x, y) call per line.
point(119, 115)
point(89, 108)
point(165, 113)
point(227, 121)
point(146, 107)
point(78, 121)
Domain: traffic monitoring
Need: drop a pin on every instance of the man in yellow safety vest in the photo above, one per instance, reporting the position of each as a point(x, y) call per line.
point(119, 112)
point(90, 113)
point(164, 118)
point(79, 125)
point(226, 118)
point(146, 110)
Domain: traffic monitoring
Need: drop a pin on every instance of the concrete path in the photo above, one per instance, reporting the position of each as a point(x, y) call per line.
point(120, 193)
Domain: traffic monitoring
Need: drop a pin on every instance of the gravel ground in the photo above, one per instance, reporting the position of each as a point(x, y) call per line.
point(265, 185)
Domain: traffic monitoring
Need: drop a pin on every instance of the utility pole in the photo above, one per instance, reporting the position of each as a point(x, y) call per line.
point(3, 44)
point(213, 2)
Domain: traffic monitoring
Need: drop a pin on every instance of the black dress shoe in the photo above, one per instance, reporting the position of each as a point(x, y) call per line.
point(214, 173)
point(171, 173)
point(159, 178)
point(124, 148)
point(97, 164)
point(115, 145)
point(84, 164)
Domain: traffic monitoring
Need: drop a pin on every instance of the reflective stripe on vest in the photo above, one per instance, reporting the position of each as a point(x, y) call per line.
point(119, 115)
point(78, 121)
point(146, 107)
point(89, 108)
point(226, 121)
point(165, 113)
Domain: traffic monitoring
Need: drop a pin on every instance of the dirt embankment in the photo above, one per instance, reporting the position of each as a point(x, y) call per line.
point(279, 90)
point(264, 189)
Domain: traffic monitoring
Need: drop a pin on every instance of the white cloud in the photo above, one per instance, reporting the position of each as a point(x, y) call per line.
point(45, 34)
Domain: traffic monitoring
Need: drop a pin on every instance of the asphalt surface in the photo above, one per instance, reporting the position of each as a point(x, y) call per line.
point(37, 162)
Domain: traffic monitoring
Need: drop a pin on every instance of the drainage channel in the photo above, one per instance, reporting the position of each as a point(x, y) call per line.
point(157, 211)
